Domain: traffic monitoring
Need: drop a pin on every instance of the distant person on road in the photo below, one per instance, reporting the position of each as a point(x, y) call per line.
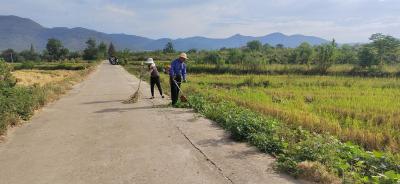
point(177, 74)
point(154, 77)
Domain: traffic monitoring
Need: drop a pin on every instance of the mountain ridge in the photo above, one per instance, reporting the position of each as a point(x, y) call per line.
point(19, 33)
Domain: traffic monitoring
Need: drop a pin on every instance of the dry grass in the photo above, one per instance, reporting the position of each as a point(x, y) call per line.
point(41, 77)
point(317, 172)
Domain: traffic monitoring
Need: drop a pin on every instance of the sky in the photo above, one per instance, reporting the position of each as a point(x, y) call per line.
point(348, 21)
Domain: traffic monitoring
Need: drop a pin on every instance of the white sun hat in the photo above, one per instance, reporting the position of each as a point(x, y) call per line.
point(149, 61)
point(183, 55)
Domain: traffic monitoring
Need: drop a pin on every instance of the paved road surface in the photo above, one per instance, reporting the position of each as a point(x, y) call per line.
point(90, 137)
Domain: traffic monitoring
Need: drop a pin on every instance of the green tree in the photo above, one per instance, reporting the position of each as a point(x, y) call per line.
point(64, 53)
point(169, 48)
point(111, 50)
point(267, 46)
point(91, 51)
point(325, 57)
point(367, 56)
point(55, 50)
point(347, 54)
point(32, 49)
point(279, 46)
point(279, 55)
point(304, 54)
point(253, 60)
point(29, 55)
point(235, 56)
point(124, 56)
point(385, 45)
point(214, 58)
point(102, 50)
point(9, 55)
point(74, 55)
point(333, 43)
point(254, 45)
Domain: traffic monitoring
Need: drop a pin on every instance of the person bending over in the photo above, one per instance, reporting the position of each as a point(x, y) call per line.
point(177, 74)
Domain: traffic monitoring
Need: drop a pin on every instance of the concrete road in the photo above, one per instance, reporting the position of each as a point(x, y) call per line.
point(90, 137)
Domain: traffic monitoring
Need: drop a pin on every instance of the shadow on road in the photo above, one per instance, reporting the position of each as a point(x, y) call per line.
point(100, 102)
point(131, 108)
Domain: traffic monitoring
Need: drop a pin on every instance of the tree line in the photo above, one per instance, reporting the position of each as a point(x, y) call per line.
point(383, 49)
point(55, 51)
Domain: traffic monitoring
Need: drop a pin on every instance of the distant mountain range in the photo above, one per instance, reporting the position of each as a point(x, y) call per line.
point(19, 33)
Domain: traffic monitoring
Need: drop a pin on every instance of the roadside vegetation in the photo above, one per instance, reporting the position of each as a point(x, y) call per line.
point(24, 91)
point(328, 113)
point(29, 80)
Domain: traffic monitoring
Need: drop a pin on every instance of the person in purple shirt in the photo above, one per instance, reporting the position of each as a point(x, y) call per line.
point(177, 74)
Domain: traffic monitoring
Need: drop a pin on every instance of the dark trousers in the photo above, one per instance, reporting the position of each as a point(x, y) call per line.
point(174, 88)
point(155, 81)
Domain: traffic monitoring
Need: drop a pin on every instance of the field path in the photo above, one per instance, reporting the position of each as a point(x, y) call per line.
point(90, 137)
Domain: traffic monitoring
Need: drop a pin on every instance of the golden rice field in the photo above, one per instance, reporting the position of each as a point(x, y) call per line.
point(41, 77)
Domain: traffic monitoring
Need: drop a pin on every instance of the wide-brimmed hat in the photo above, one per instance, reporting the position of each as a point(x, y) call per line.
point(183, 55)
point(149, 61)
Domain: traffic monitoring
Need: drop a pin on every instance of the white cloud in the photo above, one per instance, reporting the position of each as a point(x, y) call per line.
point(121, 11)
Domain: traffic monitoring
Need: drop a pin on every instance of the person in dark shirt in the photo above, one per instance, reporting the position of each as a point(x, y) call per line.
point(154, 77)
point(177, 74)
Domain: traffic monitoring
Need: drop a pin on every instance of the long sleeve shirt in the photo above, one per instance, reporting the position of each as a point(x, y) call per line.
point(178, 68)
point(153, 70)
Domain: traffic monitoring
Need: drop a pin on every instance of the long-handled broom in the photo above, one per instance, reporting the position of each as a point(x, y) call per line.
point(182, 97)
point(135, 96)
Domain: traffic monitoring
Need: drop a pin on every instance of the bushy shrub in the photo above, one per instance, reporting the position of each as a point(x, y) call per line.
point(27, 65)
point(6, 78)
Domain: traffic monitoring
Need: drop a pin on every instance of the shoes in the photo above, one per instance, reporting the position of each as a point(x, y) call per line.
point(162, 96)
point(152, 97)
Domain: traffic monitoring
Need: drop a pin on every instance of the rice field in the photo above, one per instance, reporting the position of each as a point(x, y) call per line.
point(362, 110)
point(41, 77)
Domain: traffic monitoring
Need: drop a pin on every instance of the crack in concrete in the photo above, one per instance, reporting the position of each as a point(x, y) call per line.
point(204, 155)
point(220, 171)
